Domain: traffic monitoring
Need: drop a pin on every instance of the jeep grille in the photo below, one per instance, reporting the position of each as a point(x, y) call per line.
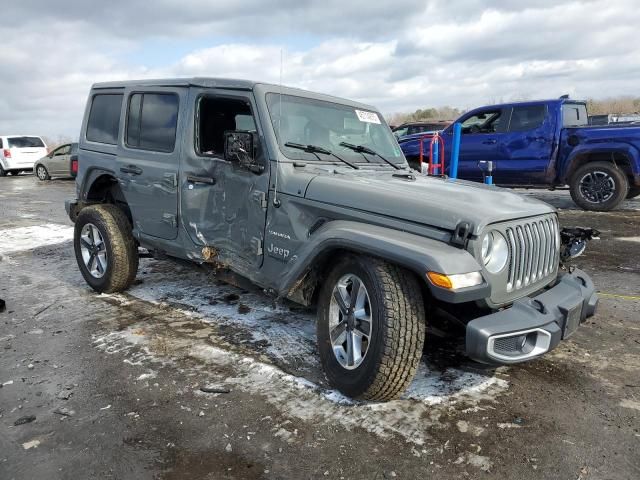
point(533, 248)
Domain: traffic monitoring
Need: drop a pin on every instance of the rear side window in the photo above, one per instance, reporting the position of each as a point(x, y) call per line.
point(25, 142)
point(575, 115)
point(152, 120)
point(527, 118)
point(104, 118)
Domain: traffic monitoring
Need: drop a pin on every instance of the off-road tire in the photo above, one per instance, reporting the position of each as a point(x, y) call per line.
point(121, 247)
point(398, 330)
point(633, 192)
point(618, 176)
point(45, 176)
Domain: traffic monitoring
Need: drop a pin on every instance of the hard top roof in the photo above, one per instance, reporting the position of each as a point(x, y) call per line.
point(226, 83)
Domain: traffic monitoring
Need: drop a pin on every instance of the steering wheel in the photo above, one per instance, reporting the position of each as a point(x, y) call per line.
point(474, 129)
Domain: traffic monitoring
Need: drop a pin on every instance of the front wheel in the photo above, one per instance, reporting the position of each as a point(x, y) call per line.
point(105, 249)
point(42, 174)
point(371, 327)
point(3, 172)
point(599, 186)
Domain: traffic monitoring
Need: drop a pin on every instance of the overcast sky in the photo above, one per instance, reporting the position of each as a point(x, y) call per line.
point(398, 55)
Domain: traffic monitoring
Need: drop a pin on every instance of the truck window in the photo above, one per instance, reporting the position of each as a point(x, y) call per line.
point(214, 117)
point(574, 115)
point(527, 118)
point(104, 118)
point(489, 121)
point(151, 121)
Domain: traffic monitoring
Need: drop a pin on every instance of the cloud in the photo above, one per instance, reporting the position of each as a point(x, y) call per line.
point(398, 56)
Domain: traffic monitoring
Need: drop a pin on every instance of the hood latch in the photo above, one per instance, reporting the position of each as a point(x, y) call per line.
point(461, 235)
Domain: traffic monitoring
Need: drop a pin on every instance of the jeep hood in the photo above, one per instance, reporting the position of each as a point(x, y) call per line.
point(437, 202)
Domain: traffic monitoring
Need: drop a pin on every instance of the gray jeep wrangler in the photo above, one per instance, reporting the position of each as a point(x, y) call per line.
point(309, 197)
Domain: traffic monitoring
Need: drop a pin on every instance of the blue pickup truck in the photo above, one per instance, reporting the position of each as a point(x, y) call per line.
point(545, 144)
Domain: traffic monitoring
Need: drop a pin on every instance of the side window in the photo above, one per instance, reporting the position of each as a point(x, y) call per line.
point(152, 119)
point(217, 115)
point(489, 121)
point(527, 118)
point(63, 150)
point(104, 118)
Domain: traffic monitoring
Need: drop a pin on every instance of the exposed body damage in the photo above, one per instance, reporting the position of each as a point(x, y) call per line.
point(310, 198)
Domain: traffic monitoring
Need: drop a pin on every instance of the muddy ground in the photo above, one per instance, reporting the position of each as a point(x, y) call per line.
point(113, 381)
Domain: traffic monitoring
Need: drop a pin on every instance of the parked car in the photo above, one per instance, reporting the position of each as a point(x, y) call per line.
point(58, 163)
point(546, 144)
point(18, 153)
point(310, 198)
point(413, 128)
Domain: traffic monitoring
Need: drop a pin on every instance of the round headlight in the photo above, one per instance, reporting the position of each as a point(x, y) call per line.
point(495, 251)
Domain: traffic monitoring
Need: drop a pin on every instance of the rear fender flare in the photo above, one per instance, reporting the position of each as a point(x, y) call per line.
point(576, 158)
point(90, 179)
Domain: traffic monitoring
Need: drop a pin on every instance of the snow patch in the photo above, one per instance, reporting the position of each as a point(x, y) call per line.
point(632, 404)
point(21, 239)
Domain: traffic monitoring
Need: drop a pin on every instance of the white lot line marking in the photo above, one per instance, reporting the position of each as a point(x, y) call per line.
point(628, 403)
point(21, 239)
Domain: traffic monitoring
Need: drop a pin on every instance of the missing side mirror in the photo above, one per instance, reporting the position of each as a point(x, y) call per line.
point(239, 147)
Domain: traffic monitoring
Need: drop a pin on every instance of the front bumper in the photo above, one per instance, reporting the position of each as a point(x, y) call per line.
point(533, 325)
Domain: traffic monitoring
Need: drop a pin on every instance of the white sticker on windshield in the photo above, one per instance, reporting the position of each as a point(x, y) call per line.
point(369, 117)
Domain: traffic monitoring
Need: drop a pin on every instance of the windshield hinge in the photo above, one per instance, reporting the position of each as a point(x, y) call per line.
point(461, 234)
point(256, 243)
point(260, 198)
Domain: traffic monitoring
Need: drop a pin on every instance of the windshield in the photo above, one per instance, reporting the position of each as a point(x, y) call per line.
point(307, 121)
point(25, 142)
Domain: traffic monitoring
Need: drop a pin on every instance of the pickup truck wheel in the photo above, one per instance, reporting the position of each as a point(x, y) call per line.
point(105, 249)
point(599, 186)
point(3, 172)
point(42, 174)
point(371, 327)
point(633, 192)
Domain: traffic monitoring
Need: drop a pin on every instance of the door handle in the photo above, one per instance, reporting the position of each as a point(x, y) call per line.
point(197, 179)
point(491, 141)
point(132, 169)
point(540, 139)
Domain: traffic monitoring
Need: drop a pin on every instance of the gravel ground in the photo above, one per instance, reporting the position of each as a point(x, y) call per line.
point(109, 386)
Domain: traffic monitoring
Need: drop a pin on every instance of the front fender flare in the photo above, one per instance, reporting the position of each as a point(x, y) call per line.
point(416, 253)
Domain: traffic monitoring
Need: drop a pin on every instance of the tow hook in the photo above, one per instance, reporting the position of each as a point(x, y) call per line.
point(574, 240)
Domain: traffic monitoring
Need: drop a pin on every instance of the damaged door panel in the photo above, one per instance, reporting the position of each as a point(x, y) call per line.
point(217, 191)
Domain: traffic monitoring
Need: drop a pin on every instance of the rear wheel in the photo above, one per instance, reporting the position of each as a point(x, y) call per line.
point(371, 325)
point(105, 249)
point(599, 186)
point(633, 192)
point(3, 172)
point(42, 174)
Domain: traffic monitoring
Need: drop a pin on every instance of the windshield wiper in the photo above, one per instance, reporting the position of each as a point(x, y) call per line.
point(315, 149)
point(363, 149)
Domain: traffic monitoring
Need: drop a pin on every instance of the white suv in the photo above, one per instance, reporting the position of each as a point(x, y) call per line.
point(19, 152)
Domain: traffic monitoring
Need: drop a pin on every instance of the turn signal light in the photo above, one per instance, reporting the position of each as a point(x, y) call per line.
point(440, 280)
point(454, 282)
